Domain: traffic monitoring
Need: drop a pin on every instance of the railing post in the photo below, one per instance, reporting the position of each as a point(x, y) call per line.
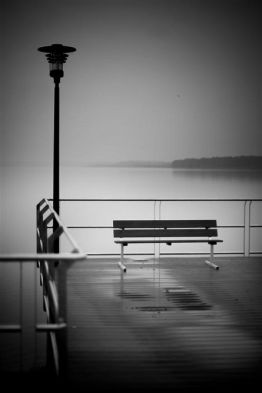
point(27, 315)
point(62, 334)
point(157, 216)
point(247, 223)
point(249, 227)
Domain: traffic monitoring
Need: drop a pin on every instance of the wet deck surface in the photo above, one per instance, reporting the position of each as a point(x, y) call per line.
point(177, 325)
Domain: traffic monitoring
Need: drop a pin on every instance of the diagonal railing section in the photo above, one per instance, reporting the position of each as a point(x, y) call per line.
point(50, 280)
point(43, 266)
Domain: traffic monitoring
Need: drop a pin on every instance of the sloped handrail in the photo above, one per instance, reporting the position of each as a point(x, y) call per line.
point(46, 261)
point(45, 247)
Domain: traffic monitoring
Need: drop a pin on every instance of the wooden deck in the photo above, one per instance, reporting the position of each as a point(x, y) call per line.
point(169, 325)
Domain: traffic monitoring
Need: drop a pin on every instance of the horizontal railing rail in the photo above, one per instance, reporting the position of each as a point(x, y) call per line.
point(42, 257)
point(157, 199)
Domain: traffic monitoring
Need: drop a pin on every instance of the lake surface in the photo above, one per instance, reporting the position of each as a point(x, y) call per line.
point(25, 186)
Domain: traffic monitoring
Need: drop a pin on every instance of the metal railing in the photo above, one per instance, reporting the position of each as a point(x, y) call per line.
point(244, 224)
point(47, 261)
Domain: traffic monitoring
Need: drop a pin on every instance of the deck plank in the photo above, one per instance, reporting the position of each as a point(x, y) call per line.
point(165, 325)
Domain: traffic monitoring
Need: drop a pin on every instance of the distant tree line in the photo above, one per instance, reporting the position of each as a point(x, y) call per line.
point(240, 162)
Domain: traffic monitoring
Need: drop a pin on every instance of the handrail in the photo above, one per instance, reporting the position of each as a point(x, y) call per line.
point(10, 328)
point(46, 260)
point(158, 199)
point(42, 257)
point(61, 224)
point(46, 255)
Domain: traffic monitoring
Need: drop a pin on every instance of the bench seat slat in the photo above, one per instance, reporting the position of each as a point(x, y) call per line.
point(169, 241)
point(165, 233)
point(164, 224)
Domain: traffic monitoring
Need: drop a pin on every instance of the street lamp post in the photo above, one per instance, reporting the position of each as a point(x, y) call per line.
point(56, 55)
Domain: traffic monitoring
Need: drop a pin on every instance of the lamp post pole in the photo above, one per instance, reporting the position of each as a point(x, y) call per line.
point(56, 55)
point(56, 156)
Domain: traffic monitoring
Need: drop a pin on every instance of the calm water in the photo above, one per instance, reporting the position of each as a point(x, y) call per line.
point(25, 186)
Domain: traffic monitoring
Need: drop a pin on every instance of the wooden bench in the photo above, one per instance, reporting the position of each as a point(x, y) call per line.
point(166, 231)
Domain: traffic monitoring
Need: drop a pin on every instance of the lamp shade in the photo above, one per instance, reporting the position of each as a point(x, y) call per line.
point(56, 55)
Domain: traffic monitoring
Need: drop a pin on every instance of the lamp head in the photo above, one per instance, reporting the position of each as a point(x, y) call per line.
point(56, 55)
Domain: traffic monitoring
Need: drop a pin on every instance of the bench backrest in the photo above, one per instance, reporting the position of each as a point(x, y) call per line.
point(164, 228)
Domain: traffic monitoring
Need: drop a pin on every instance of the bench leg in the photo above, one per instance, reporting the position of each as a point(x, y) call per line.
point(212, 253)
point(121, 262)
point(211, 262)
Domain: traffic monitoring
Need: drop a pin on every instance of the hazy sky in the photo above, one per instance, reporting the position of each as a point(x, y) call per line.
point(151, 80)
